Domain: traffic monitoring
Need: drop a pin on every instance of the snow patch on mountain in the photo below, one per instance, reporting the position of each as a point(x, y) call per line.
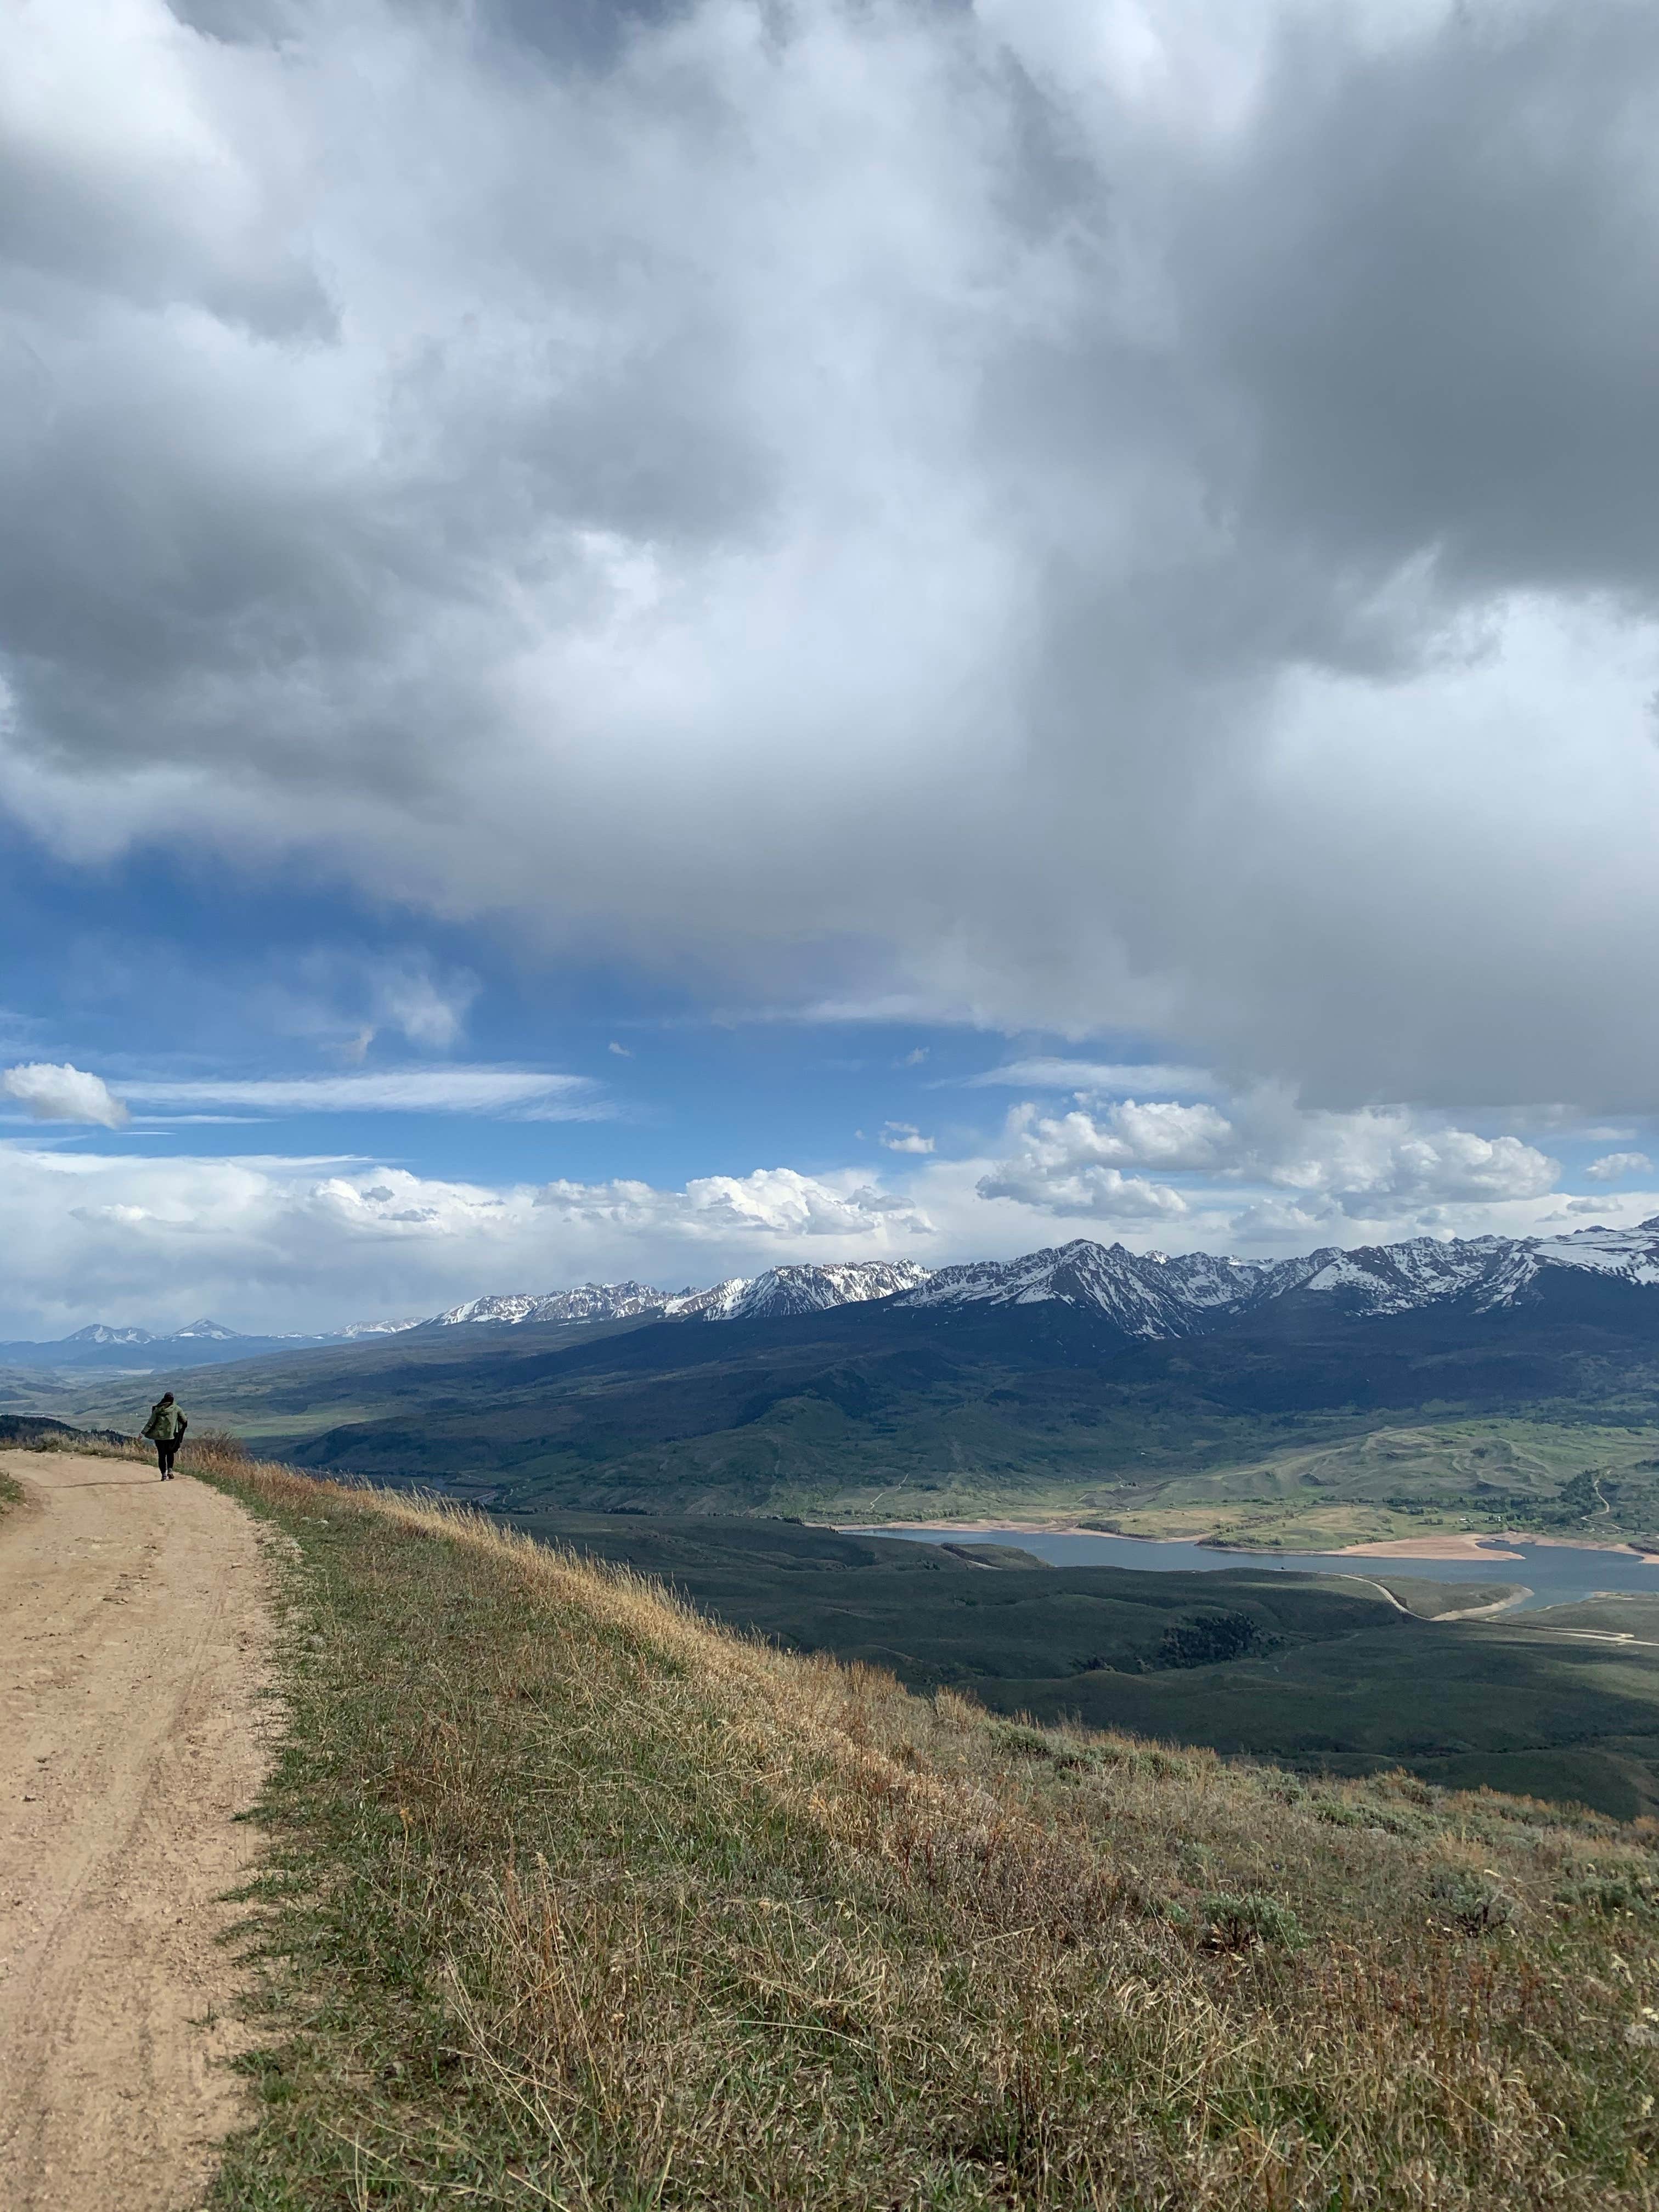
point(719, 1303)
point(1146, 1294)
point(815, 1289)
point(1151, 1295)
point(778, 1291)
point(1632, 1254)
point(1487, 1271)
point(588, 1302)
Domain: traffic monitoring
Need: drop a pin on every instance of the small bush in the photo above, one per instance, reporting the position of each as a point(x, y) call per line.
point(1336, 1815)
point(1470, 1901)
point(1390, 1819)
point(1237, 1923)
point(1023, 1742)
point(1606, 1894)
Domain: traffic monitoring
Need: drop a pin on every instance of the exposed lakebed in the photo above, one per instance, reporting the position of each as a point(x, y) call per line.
point(1555, 1574)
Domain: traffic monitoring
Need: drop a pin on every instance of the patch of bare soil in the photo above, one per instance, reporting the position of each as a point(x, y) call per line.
point(1449, 1544)
point(134, 1631)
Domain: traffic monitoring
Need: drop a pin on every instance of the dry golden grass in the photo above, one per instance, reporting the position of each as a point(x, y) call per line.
point(577, 1900)
point(82, 1445)
point(205, 1449)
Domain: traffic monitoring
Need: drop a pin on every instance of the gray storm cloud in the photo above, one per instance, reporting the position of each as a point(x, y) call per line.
point(1129, 516)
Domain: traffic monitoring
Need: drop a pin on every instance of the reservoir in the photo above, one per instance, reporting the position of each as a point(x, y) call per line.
point(1556, 1574)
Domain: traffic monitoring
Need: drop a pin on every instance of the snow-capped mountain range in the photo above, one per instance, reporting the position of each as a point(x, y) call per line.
point(134, 1351)
point(98, 1332)
point(1151, 1295)
point(779, 1292)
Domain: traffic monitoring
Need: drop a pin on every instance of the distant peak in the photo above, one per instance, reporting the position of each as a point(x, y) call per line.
point(1150, 1295)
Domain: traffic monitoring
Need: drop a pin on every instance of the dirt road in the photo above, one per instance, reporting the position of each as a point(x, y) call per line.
point(133, 1631)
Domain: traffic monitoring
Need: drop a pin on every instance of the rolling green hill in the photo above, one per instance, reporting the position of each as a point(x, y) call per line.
point(1310, 1430)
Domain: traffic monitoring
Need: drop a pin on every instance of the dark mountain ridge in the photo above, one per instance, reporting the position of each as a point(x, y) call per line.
point(1147, 1295)
point(650, 1412)
point(994, 1383)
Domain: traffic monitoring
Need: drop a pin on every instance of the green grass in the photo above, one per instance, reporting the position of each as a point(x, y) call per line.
point(1434, 1600)
point(11, 1493)
point(1616, 1613)
point(1332, 1677)
point(1409, 1480)
point(573, 1900)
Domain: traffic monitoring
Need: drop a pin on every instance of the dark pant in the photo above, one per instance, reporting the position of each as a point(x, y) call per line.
point(164, 1455)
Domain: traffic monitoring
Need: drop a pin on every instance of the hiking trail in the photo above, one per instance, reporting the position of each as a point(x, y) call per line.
point(134, 1626)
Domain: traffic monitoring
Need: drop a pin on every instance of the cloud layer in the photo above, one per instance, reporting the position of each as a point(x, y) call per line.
point(529, 1093)
point(302, 1243)
point(1075, 516)
point(297, 1243)
point(1378, 1165)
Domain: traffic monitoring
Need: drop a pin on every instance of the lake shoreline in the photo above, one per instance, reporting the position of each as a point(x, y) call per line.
point(1449, 1544)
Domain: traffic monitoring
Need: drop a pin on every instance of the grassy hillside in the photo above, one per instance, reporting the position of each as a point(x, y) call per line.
point(1323, 1673)
point(574, 1900)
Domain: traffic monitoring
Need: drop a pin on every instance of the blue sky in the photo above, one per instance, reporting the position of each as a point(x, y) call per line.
point(912, 630)
point(272, 1030)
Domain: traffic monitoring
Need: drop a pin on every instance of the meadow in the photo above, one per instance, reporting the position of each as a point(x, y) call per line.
point(573, 1899)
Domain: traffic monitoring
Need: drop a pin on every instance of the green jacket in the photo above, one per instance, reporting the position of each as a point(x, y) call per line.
point(165, 1425)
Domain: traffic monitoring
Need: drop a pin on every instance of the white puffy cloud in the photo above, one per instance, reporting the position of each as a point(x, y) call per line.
point(298, 1243)
point(59, 1092)
point(1081, 1191)
point(1377, 1162)
point(1072, 1164)
point(1086, 516)
point(1389, 1159)
point(904, 1137)
point(1612, 1167)
point(772, 1202)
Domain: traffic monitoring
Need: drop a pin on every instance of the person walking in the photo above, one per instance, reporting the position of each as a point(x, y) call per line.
point(166, 1431)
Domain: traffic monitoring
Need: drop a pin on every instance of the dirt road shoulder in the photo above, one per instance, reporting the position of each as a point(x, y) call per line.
point(135, 1629)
